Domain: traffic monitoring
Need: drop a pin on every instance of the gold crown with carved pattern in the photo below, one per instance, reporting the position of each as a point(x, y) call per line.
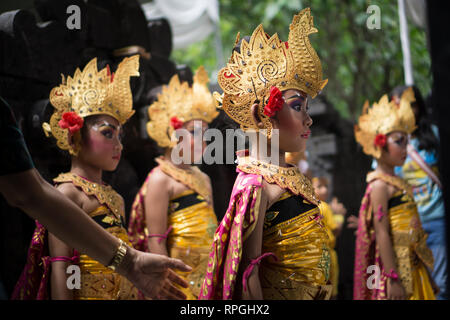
point(180, 102)
point(266, 61)
point(91, 92)
point(383, 118)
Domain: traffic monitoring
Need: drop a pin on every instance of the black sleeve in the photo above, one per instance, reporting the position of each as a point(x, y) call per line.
point(14, 154)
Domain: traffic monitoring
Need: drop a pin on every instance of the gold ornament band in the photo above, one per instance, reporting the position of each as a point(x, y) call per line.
point(118, 256)
point(285, 177)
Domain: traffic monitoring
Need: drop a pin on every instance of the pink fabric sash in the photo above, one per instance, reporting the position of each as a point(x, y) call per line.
point(252, 264)
point(137, 225)
point(226, 251)
point(33, 282)
point(423, 165)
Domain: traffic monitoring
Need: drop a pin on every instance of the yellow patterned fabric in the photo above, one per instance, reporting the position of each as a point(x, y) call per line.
point(97, 281)
point(301, 270)
point(409, 242)
point(191, 237)
point(331, 225)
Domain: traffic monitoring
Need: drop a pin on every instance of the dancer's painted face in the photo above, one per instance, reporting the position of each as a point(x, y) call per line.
point(195, 140)
point(293, 121)
point(394, 153)
point(101, 144)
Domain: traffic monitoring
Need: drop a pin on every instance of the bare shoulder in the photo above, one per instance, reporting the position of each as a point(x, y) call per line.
point(159, 177)
point(71, 191)
point(271, 192)
point(380, 189)
point(159, 181)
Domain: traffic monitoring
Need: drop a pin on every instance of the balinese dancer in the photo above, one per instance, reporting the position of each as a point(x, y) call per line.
point(271, 243)
point(392, 258)
point(173, 212)
point(90, 109)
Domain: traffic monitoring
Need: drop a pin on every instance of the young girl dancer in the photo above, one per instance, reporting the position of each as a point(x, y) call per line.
point(391, 244)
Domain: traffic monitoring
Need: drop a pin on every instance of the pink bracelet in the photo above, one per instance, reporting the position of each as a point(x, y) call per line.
point(392, 275)
point(75, 259)
point(252, 264)
point(161, 236)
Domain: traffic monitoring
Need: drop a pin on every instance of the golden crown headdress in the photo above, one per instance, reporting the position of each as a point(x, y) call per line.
point(382, 118)
point(266, 61)
point(183, 103)
point(92, 92)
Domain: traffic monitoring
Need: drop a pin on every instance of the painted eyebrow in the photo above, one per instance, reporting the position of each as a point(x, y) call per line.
point(298, 96)
point(106, 124)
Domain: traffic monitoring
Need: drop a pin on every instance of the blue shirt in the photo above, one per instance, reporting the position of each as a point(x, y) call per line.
point(427, 194)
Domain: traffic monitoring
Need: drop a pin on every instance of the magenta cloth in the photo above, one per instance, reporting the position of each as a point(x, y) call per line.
point(253, 263)
point(33, 282)
point(161, 236)
point(226, 252)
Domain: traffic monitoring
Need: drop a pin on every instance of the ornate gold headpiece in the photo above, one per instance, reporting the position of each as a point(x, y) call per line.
point(266, 61)
point(382, 118)
point(182, 102)
point(92, 92)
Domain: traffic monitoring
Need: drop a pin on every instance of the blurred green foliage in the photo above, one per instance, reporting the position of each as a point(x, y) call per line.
point(360, 63)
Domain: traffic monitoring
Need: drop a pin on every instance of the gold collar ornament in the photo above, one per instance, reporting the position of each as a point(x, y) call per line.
point(193, 178)
point(104, 193)
point(266, 61)
point(383, 118)
point(92, 92)
point(181, 103)
point(395, 181)
point(285, 177)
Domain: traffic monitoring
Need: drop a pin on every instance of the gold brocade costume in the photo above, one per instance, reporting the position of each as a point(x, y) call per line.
point(330, 222)
point(193, 223)
point(97, 281)
point(408, 241)
point(295, 233)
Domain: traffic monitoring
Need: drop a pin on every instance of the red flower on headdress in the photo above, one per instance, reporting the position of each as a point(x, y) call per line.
point(176, 123)
point(275, 102)
point(380, 140)
point(71, 121)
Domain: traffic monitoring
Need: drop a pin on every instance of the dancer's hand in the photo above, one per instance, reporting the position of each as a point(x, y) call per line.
point(152, 274)
point(338, 207)
point(395, 290)
point(352, 222)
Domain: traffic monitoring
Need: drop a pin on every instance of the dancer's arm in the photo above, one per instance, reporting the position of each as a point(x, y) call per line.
point(379, 199)
point(156, 206)
point(28, 191)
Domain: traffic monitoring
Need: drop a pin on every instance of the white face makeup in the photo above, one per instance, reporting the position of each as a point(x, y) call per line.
point(108, 130)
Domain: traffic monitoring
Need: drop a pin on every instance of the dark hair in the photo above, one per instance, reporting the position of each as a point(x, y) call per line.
point(237, 47)
point(424, 132)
